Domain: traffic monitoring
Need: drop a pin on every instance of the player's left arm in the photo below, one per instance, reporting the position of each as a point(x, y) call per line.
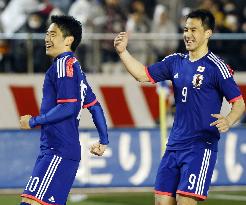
point(99, 120)
point(224, 123)
point(228, 88)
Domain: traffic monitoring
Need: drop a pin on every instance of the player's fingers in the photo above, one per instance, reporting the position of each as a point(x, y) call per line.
point(101, 151)
point(222, 123)
point(214, 123)
point(216, 116)
point(122, 33)
point(117, 42)
point(22, 123)
point(218, 125)
point(223, 129)
point(94, 151)
point(97, 152)
point(120, 36)
point(94, 146)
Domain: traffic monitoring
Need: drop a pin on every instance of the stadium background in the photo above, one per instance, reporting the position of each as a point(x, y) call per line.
point(132, 109)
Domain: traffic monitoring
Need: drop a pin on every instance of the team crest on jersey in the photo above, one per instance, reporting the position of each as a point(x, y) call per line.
point(69, 67)
point(200, 69)
point(197, 81)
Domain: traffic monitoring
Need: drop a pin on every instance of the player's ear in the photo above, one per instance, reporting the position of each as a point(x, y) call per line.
point(208, 33)
point(69, 40)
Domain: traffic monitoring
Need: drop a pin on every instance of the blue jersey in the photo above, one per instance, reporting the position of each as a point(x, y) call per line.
point(64, 82)
point(199, 88)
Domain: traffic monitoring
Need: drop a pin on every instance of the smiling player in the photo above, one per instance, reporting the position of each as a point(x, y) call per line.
point(200, 81)
point(65, 92)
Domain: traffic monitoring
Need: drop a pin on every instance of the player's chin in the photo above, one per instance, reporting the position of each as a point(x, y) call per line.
point(49, 53)
point(189, 48)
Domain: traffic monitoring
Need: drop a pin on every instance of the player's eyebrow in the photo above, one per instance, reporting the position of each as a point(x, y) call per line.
point(50, 31)
point(190, 27)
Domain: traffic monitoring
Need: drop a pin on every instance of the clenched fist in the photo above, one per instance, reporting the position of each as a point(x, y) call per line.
point(98, 149)
point(120, 42)
point(24, 122)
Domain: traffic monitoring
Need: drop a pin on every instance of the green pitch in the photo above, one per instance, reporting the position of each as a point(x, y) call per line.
point(215, 198)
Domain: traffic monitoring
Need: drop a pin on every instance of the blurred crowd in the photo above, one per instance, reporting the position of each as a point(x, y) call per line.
point(113, 16)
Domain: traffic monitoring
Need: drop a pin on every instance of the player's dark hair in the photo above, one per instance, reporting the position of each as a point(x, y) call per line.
point(69, 26)
point(207, 18)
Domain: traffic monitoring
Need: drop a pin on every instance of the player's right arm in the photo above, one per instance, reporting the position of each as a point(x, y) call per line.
point(133, 66)
point(156, 72)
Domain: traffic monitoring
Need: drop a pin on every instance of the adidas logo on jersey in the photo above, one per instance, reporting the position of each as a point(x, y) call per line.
point(176, 75)
point(52, 199)
point(200, 69)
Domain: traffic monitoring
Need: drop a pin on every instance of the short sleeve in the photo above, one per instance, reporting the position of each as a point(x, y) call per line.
point(226, 84)
point(162, 70)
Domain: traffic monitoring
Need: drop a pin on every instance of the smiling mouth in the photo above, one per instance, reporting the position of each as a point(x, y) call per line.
point(189, 41)
point(48, 46)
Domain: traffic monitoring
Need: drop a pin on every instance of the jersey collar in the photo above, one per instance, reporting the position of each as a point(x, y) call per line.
point(63, 54)
point(188, 58)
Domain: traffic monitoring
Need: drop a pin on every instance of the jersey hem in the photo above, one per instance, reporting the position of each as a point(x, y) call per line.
point(36, 199)
point(199, 197)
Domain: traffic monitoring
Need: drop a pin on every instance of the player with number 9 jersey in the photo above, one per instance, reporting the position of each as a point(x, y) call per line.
point(200, 81)
point(199, 88)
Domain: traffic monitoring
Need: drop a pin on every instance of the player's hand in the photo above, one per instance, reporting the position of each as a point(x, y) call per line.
point(222, 123)
point(24, 122)
point(120, 42)
point(98, 149)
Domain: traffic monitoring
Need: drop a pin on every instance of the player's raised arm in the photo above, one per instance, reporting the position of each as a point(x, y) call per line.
point(133, 66)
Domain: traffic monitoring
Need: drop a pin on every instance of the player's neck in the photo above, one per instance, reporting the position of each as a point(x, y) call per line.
point(198, 53)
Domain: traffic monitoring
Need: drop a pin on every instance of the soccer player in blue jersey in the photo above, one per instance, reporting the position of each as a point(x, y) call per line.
point(65, 92)
point(200, 81)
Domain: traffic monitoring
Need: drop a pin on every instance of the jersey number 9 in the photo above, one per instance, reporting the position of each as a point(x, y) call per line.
point(184, 94)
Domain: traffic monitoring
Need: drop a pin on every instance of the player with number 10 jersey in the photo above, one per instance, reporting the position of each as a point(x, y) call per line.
point(65, 93)
point(65, 82)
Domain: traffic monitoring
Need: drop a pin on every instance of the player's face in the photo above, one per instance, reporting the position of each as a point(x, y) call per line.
point(55, 43)
point(195, 36)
